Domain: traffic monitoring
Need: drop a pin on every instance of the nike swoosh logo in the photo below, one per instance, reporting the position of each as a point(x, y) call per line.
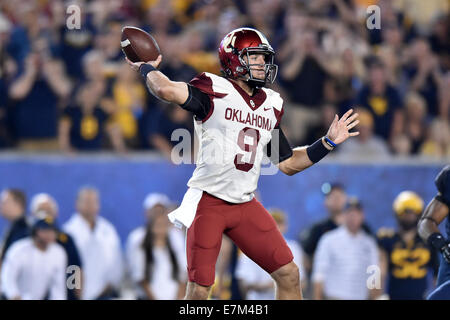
point(265, 109)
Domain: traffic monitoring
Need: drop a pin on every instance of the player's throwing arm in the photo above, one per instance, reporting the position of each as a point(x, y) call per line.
point(159, 84)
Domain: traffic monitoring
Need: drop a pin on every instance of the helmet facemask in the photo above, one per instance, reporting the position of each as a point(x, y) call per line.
point(270, 69)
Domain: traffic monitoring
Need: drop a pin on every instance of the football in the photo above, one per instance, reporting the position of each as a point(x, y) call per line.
point(138, 45)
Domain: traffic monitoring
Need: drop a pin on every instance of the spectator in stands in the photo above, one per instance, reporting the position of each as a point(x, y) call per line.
point(401, 146)
point(26, 30)
point(439, 40)
point(444, 97)
point(6, 66)
point(391, 52)
point(255, 283)
point(36, 93)
point(74, 43)
point(93, 64)
point(162, 122)
point(347, 70)
point(128, 97)
point(99, 246)
point(156, 202)
point(155, 254)
point(316, 131)
point(421, 14)
point(108, 40)
point(335, 200)
point(324, 60)
point(84, 124)
point(35, 267)
point(208, 15)
point(437, 144)
point(161, 18)
point(195, 53)
point(173, 65)
point(43, 205)
point(366, 145)
point(383, 101)
point(342, 274)
point(423, 72)
point(303, 67)
point(12, 208)
point(415, 120)
point(3, 113)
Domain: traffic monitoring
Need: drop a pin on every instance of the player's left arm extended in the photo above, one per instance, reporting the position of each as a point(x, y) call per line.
point(306, 156)
point(434, 214)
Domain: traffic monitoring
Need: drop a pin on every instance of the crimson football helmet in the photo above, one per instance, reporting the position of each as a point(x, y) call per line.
point(246, 41)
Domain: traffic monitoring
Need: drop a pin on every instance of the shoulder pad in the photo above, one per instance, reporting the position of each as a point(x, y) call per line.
point(209, 83)
point(442, 179)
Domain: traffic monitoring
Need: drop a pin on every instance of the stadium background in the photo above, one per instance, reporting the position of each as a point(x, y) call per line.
point(126, 156)
point(299, 196)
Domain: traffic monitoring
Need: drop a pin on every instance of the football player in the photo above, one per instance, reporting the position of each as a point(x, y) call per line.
point(236, 117)
point(404, 257)
point(436, 212)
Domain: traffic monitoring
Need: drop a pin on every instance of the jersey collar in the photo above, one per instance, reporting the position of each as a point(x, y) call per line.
point(254, 101)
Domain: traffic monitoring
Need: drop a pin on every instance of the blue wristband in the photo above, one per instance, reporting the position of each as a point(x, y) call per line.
point(330, 142)
point(145, 68)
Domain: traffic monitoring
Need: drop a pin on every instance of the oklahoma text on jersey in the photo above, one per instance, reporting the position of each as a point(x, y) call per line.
point(252, 119)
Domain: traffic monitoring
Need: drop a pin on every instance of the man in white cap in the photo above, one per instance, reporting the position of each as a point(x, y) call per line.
point(43, 204)
point(155, 204)
point(35, 267)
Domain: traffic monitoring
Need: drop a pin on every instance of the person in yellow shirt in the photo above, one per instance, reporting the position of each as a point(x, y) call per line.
point(128, 100)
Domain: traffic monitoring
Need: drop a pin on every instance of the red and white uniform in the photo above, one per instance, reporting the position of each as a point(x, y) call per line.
point(220, 197)
point(232, 138)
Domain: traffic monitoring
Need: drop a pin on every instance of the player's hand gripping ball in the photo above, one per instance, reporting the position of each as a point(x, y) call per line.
point(139, 47)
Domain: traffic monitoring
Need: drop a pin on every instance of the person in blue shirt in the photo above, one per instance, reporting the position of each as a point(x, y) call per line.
point(162, 122)
point(12, 208)
point(35, 92)
point(435, 213)
point(406, 259)
point(382, 100)
point(84, 124)
point(3, 112)
point(43, 205)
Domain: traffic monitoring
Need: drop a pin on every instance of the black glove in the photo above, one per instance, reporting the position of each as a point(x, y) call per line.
point(437, 240)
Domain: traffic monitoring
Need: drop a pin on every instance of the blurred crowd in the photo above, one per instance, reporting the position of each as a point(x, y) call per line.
point(84, 258)
point(71, 90)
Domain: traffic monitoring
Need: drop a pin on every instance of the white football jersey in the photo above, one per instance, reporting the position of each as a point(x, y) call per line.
point(232, 137)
